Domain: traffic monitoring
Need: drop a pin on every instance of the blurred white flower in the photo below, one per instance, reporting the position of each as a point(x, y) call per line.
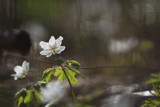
point(122, 46)
point(52, 47)
point(144, 93)
point(53, 92)
point(21, 71)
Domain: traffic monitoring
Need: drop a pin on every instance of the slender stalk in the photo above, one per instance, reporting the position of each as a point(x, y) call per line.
point(73, 94)
point(35, 102)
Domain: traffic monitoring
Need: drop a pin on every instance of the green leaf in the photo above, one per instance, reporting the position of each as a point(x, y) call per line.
point(20, 101)
point(37, 95)
point(28, 97)
point(152, 81)
point(74, 70)
point(155, 75)
point(151, 102)
point(21, 92)
point(155, 79)
point(59, 72)
point(71, 76)
point(74, 63)
point(47, 74)
point(154, 102)
point(61, 75)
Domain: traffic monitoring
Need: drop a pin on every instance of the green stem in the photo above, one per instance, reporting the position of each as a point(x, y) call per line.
point(73, 94)
point(34, 100)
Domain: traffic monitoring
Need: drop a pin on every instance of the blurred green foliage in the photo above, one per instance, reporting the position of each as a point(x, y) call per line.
point(3, 96)
point(40, 10)
point(30, 95)
point(155, 79)
point(81, 104)
point(77, 104)
point(146, 45)
point(131, 59)
point(155, 100)
point(136, 58)
point(47, 74)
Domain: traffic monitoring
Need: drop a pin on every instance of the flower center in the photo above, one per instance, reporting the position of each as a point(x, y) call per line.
point(53, 49)
point(24, 73)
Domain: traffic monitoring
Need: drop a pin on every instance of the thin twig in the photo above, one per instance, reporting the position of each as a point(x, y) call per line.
point(84, 68)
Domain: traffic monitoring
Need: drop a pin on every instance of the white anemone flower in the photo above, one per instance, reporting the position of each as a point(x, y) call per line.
point(21, 71)
point(52, 47)
point(53, 92)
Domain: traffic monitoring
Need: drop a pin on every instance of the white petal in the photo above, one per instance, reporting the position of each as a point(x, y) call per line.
point(52, 41)
point(45, 52)
point(15, 76)
point(60, 49)
point(59, 41)
point(44, 45)
point(48, 55)
point(25, 66)
point(18, 69)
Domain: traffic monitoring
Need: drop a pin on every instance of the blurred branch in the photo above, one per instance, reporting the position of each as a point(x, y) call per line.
point(84, 68)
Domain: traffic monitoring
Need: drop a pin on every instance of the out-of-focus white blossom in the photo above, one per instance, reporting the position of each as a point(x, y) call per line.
point(144, 93)
point(21, 71)
point(52, 47)
point(122, 46)
point(53, 92)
